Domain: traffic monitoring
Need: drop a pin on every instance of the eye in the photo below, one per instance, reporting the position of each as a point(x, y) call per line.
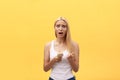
point(63, 26)
point(58, 26)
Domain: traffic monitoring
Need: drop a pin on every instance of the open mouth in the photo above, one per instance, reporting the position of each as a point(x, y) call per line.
point(60, 32)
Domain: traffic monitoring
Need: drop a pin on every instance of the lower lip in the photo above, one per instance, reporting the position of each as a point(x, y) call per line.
point(60, 34)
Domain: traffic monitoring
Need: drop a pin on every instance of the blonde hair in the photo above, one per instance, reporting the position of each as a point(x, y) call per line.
point(68, 40)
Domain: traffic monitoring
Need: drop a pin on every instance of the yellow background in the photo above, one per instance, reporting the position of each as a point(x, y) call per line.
point(26, 25)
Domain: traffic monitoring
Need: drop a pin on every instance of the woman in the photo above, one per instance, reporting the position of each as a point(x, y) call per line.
point(62, 54)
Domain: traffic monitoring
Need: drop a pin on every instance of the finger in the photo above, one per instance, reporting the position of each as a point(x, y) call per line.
point(59, 55)
point(71, 55)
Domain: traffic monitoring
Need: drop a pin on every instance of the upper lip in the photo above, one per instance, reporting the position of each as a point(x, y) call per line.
point(60, 32)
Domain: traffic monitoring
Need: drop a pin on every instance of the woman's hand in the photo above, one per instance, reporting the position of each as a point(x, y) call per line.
point(58, 58)
point(73, 62)
point(71, 57)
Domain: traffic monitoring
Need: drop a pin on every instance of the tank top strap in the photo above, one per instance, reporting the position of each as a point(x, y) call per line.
point(52, 45)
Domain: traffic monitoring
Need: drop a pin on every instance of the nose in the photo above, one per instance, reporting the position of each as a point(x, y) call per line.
point(60, 28)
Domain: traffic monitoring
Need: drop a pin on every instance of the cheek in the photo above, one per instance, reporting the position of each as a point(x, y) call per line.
point(65, 30)
point(56, 29)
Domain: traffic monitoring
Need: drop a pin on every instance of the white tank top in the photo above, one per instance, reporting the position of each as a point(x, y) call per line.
point(60, 70)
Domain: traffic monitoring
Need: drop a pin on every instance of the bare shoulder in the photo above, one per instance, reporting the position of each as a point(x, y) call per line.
point(47, 45)
point(75, 44)
point(75, 47)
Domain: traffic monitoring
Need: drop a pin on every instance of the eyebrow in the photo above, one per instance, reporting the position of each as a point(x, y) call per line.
point(62, 24)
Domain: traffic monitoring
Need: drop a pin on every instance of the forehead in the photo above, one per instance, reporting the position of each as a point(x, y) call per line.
point(61, 22)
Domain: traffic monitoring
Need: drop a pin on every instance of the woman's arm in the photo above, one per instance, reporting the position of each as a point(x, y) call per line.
point(47, 62)
point(73, 58)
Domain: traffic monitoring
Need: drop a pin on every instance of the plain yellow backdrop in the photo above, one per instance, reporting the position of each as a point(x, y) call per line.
point(27, 25)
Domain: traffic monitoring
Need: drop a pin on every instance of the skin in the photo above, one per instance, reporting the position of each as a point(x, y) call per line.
point(60, 46)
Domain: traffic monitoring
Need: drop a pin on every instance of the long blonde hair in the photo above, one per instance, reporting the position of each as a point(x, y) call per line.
point(68, 40)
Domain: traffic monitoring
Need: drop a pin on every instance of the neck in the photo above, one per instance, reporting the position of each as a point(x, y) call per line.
point(60, 40)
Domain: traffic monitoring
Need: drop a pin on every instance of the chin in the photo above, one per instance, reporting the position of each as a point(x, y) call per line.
point(60, 36)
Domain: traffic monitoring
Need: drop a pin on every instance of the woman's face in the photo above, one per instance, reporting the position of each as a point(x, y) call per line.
point(60, 29)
